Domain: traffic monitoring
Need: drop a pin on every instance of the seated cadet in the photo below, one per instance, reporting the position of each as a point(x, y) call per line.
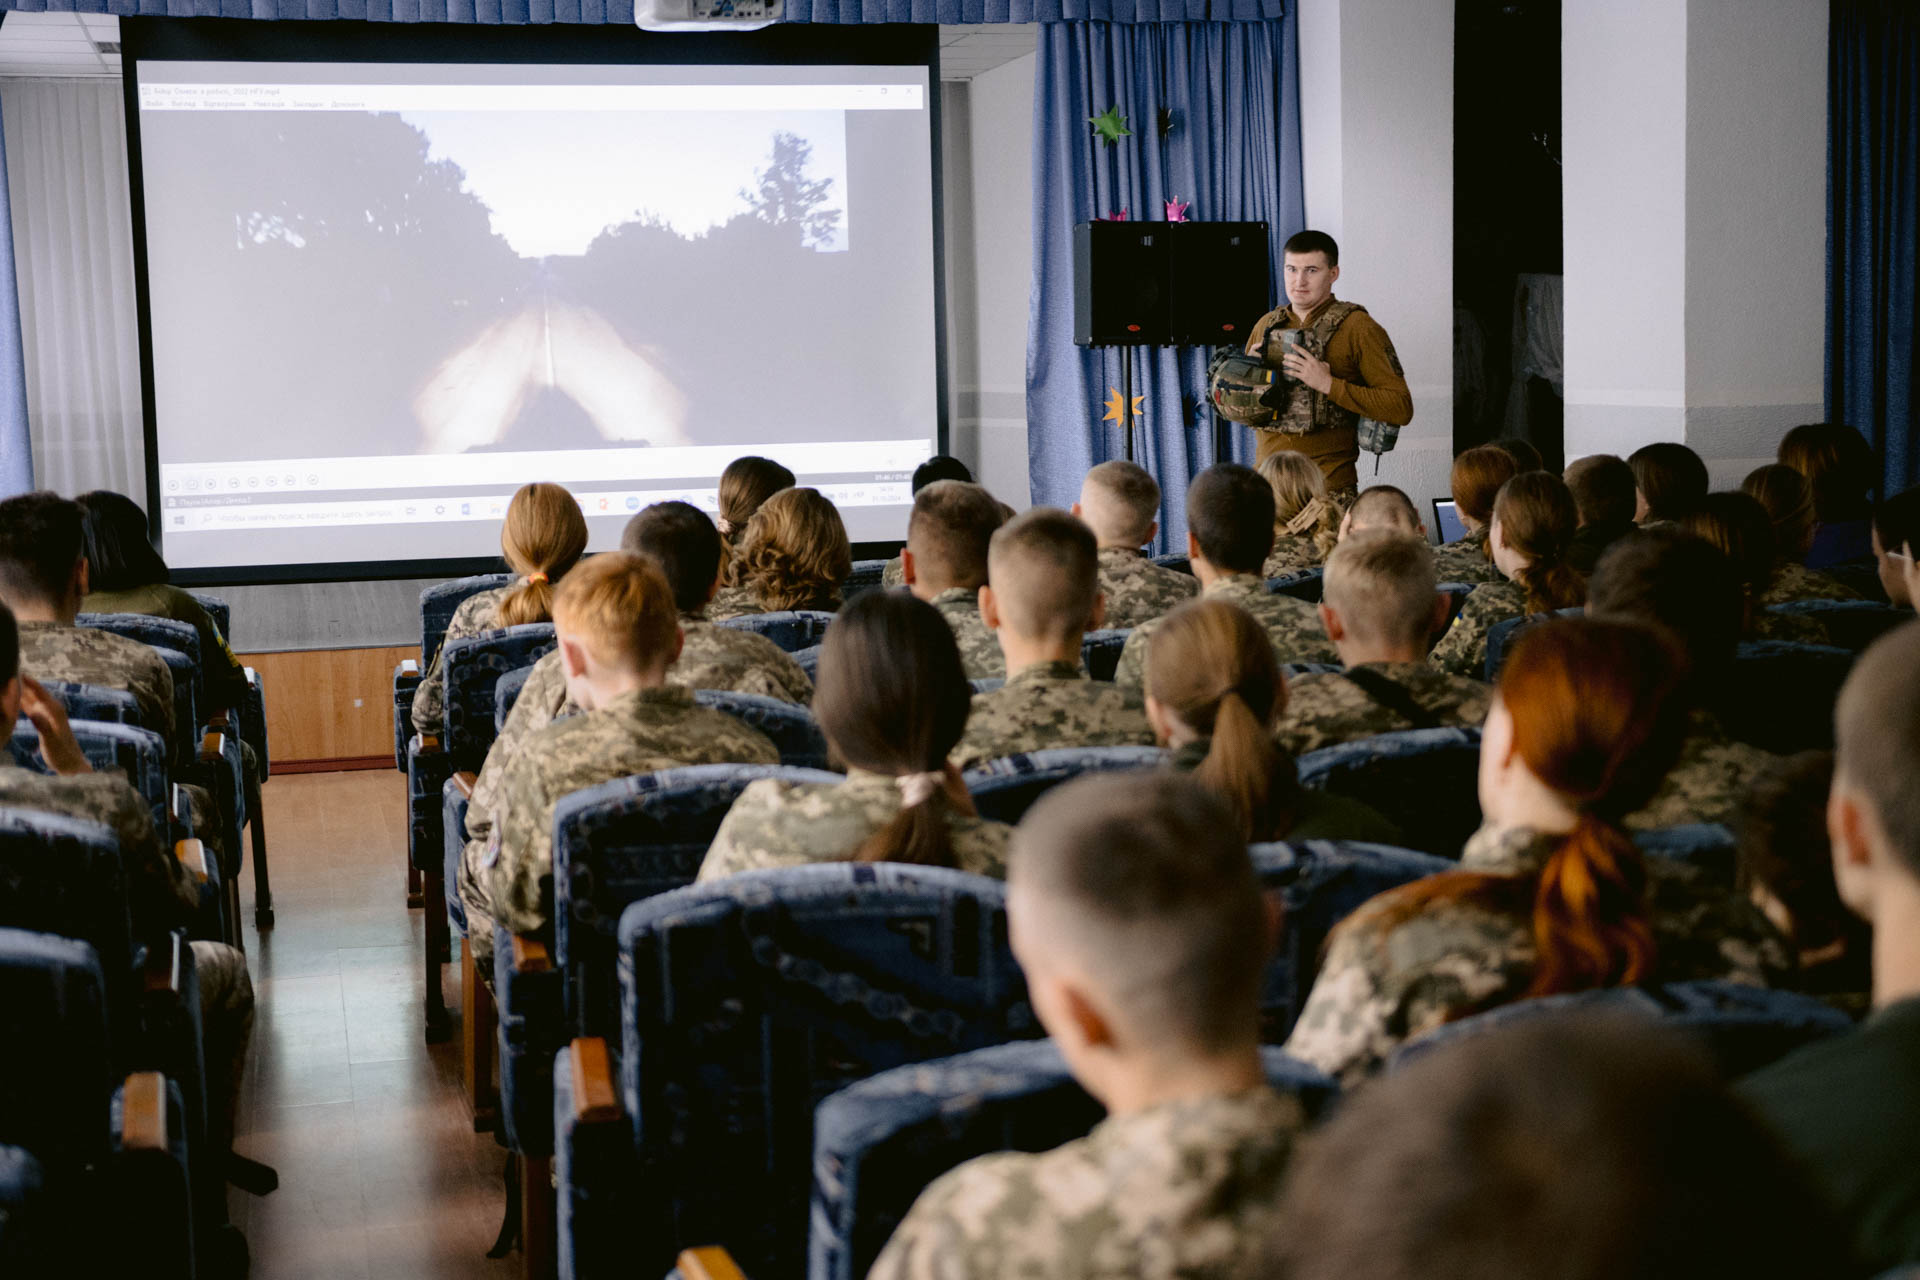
point(162, 894)
point(1135, 914)
point(614, 617)
point(1213, 694)
point(1229, 532)
point(1896, 536)
point(939, 467)
point(892, 703)
point(1531, 538)
point(946, 565)
point(1380, 607)
point(1043, 597)
point(1606, 498)
point(1526, 457)
point(1120, 503)
point(1475, 482)
point(543, 536)
point(1849, 1108)
point(794, 555)
point(1382, 506)
point(1669, 480)
point(680, 538)
point(1551, 895)
point(1788, 500)
point(744, 487)
point(1574, 1146)
point(1737, 525)
point(1840, 467)
point(1684, 586)
point(1305, 523)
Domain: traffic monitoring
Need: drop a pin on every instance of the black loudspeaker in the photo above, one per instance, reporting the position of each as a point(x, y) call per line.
point(1219, 281)
point(1121, 284)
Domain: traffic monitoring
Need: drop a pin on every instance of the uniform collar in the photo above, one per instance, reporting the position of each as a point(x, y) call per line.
point(1507, 850)
point(1236, 586)
point(665, 695)
point(1123, 553)
point(1300, 321)
point(1038, 671)
point(957, 595)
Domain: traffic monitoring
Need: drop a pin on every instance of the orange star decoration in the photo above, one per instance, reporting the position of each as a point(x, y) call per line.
point(1114, 406)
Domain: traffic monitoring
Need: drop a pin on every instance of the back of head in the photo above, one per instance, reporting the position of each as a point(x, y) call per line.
point(1537, 518)
point(940, 467)
point(120, 555)
point(1838, 464)
point(679, 538)
point(1211, 666)
point(1788, 500)
point(9, 645)
point(1300, 506)
point(1563, 1148)
point(545, 534)
point(1877, 738)
point(1737, 525)
point(1525, 456)
point(1476, 478)
point(1121, 501)
point(1669, 579)
point(1138, 884)
point(1045, 569)
point(949, 531)
point(1784, 852)
point(744, 486)
point(619, 606)
point(892, 697)
point(1670, 477)
point(1382, 506)
point(795, 553)
point(1230, 512)
point(42, 539)
point(1381, 582)
point(1602, 487)
point(1896, 521)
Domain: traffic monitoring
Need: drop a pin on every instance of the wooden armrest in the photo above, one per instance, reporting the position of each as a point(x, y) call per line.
point(192, 855)
point(166, 965)
point(594, 1101)
point(530, 955)
point(143, 1112)
point(463, 782)
point(429, 743)
point(709, 1263)
point(221, 720)
point(213, 746)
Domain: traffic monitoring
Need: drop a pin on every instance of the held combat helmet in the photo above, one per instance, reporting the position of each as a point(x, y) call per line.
point(1243, 389)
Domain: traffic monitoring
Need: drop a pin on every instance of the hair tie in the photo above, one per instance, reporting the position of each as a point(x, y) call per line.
point(918, 788)
point(724, 525)
point(1308, 517)
point(538, 575)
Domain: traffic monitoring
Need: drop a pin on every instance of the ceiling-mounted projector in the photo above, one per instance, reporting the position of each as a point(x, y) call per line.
point(707, 15)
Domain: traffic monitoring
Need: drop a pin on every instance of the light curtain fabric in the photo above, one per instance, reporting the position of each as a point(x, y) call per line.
point(16, 446)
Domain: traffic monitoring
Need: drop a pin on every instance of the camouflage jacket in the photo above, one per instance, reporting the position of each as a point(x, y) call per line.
point(1326, 710)
point(639, 732)
point(1463, 650)
point(791, 824)
point(1051, 704)
point(1799, 628)
point(979, 648)
point(478, 614)
point(1465, 561)
point(1293, 625)
point(1387, 981)
point(1291, 553)
point(81, 655)
point(717, 657)
point(1138, 590)
point(732, 602)
point(1186, 1190)
point(894, 574)
point(1708, 783)
point(1793, 581)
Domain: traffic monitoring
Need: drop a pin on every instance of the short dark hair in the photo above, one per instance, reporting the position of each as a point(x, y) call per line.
point(682, 540)
point(1670, 579)
point(1897, 520)
point(940, 466)
point(1837, 462)
point(42, 538)
point(1784, 849)
point(948, 532)
point(9, 645)
point(1230, 510)
point(1045, 568)
point(1877, 736)
point(120, 556)
point(1670, 476)
point(1602, 487)
point(1313, 242)
point(1525, 456)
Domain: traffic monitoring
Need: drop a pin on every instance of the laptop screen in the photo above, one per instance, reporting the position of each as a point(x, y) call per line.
point(1446, 520)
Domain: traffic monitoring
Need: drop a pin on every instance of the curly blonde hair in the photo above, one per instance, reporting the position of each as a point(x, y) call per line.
point(795, 553)
point(1300, 502)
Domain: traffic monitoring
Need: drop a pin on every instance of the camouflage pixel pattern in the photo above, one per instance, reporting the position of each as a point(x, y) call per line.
point(1465, 561)
point(1709, 782)
point(979, 648)
point(639, 732)
point(1385, 982)
point(793, 824)
point(732, 602)
point(1327, 710)
point(1293, 625)
point(1291, 553)
point(727, 658)
point(1793, 581)
point(1799, 628)
point(1307, 410)
point(1137, 590)
point(82, 655)
point(478, 614)
point(894, 574)
point(1050, 704)
point(1187, 1190)
point(1463, 650)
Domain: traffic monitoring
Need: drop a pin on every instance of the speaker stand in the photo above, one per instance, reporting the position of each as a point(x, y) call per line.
point(1126, 399)
point(1222, 438)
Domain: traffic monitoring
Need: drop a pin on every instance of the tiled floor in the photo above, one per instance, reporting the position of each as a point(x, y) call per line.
point(381, 1174)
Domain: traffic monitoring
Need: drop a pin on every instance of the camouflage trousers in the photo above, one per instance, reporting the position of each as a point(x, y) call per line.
point(479, 913)
point(226, 1017)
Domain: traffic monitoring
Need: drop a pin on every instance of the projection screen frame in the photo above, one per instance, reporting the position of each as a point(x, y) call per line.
point(155, 39)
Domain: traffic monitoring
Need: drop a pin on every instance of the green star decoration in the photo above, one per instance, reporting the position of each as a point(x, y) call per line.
point(1110, 126)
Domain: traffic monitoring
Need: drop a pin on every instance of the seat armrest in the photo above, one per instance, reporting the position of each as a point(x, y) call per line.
point(143, 1113)
point(213, 748)
point(708, 1263)
point(221, 720)
point(410, 666)
point(594, 1098)
point(192, 855)
point(427, 744)
point(463, 782)
point(167, 966)
point(252, 677)
point(530, 955)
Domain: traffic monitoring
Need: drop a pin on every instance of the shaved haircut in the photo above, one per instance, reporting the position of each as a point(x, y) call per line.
point(1602, 487)
point(1230, 514)
point(1877, 737)
point(1120, 500)
point(1383, 507)
point(1140, 884)
point(1045, 570)
point(1382, 584)
point(948, 532)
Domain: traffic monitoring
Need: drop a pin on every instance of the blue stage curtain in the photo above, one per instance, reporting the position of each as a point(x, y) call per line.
point(1233, 152)
point(1873, 220)
point(519, 12)
point(16, 446)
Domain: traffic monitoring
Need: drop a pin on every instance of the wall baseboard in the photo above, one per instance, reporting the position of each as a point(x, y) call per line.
point(341, 764)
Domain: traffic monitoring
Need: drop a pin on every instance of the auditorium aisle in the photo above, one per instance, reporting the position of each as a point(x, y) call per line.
point(381, 1175)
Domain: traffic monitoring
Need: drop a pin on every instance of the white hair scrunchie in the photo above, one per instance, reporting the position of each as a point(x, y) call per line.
point(724, 525)
point(918, 788)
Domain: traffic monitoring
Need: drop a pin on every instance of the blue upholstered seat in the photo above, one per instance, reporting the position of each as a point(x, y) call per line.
point(1456, 594)
point(791, 629)
point(1294, 670)
point(795, 733)
point(438, 603)
point(1100, 651)
point(1003, 790)
point(219, 611)
point(1501, 635)
point(97, 702)
point(879, 1143)
point(1850, 624)
point(809, 660)
point(1177, 563)
point(506, 692)
point(1424, 781)
point(138, 753)
point(472, 667)
point(1706, 844)
point(1302, 584)
point(1779, 696)
point(866, 575)
point(987, 684)
point(149, 629)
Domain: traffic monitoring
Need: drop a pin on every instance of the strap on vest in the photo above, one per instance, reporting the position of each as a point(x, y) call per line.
point(1393, 696)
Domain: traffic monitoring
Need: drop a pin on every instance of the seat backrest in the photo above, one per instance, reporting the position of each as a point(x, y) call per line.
point(1100, 651)
point(1862, 575)
point(1779, 696)
point(987, 684)
point(506, 692)
point(1302, 584)
point(27, 1237)
point(139, 753)
point(809, 660)
point(879, 1143)
point(795, 733)
point(186, 694)
point(1177, 563)
point(1705, 844)
point(97, 702)
point(745, 1002)
point(1319, 883)
point(791, 629)
point(472, 668)
point(1850, 624)
point(865, 575)
point(1425, 781)
point(1294, 670)
point(219, 611)
point(161, 633)
point(1004, 789)
point(64, 877)
point(1456, 594)
point(1501, 635)
point(624, 841)
point(57, 1074)
point(438, 603)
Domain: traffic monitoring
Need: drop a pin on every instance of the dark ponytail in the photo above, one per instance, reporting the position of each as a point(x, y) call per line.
point(1537, 518)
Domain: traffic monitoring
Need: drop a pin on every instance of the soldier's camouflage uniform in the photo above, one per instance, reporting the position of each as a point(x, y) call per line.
point(1709, 782)
point(1793, 581)
point(791, 824)
point(1138, 590)
point(894, 575)
point(1327, 710)
point(1051, 704)
point(1465, 561)
point(639, 732)
point(1293, 625)
point(1799, 628)
point(727, 658)
point(1387, 981)
point(1291, 553)
point(478, 614)
point(1463, 650)
point(733, 602)
point(979, 649)
point(1187, 1190)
